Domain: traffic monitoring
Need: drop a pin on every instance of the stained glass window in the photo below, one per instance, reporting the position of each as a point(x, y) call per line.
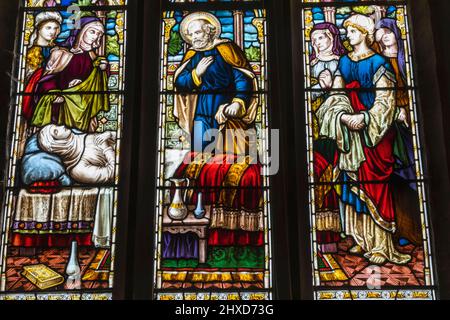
point(369, 224)
point(213, 230)
point(58, 227)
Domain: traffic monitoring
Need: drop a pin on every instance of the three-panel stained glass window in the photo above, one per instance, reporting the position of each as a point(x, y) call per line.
point(369, 227)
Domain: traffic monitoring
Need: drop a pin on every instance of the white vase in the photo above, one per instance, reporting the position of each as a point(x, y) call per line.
point(73, 269)
point(200, 211)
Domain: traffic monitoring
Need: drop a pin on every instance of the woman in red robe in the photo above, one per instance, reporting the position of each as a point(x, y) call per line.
point(69, 75)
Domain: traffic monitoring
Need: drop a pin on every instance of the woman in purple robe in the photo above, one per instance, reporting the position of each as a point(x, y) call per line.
point(389, 38)
point(327, 50)
point(74, 68)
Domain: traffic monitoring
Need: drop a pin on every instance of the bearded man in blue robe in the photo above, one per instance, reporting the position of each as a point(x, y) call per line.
point(215, 88)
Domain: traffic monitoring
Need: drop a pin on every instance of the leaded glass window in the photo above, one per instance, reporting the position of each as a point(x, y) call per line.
point(369, 222)
point(367, 183)
point(58, 228)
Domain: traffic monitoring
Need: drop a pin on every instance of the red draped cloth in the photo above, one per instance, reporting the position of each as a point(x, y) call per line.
point(222, 237)
point(247, 194)
point(378, 167)
point(28, 100)
point(212, 176)
point(330, 201)
point(50, 241)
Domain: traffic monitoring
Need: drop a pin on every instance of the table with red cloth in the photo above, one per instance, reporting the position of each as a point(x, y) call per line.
point(233, 187)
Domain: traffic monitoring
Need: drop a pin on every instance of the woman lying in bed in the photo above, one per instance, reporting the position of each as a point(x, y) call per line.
point(67, 156)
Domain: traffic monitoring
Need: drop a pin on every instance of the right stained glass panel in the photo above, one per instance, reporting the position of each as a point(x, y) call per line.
point(369, 225)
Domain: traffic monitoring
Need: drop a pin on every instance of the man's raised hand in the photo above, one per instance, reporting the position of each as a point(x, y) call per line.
point(203, 65)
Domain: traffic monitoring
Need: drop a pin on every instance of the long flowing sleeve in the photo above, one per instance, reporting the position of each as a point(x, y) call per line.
point(380, 117)
point(348, 142)
point(187, 80)
point(244, 85)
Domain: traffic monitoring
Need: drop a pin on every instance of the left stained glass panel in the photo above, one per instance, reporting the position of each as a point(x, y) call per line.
point(59, 212)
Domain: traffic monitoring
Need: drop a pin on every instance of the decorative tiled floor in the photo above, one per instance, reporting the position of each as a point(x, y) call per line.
point(212, 286)
point(230, 280)
point(362, 274)
point(54, 258)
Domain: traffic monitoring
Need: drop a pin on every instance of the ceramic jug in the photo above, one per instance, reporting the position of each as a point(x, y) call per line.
point(178, 209)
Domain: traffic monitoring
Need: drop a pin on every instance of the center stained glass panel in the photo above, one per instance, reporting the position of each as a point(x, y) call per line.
point(213, 230)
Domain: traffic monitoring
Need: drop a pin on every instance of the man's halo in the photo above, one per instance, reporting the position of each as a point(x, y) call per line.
point(199, 16)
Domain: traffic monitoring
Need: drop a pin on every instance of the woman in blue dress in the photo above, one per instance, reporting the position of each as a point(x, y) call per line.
point(361, 122)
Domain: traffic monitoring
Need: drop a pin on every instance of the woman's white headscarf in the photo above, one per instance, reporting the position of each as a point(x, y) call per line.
point(364, 24)
point(41, 18)
point(70, 150)
point(328, 53)
point(81, 45)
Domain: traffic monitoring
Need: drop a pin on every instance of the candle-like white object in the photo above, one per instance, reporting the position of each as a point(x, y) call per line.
point(200, 211)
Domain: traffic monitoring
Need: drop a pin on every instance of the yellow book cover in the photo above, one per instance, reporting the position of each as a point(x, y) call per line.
point(42, 276)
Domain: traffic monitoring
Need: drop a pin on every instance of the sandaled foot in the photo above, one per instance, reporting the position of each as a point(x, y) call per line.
point(377, 258)
point(357, 250)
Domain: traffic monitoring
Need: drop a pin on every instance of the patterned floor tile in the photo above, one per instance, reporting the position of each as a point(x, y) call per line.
point(54, 258)
point(358, 282)
point(172, 285)
point(336, 283)
point(404, 270)
point(256, 285)
point(213, 285)
point(363, 274)
point(198, 285)
point(229, 285)
point(99, 285)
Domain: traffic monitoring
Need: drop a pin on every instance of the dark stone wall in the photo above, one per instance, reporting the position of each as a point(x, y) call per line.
point(439, 10)
point(8, 22)
point(430, 34)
